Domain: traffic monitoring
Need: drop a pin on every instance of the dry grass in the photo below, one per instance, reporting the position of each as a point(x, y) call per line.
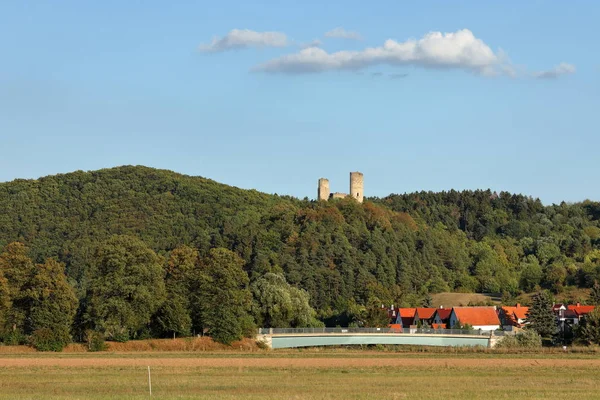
point(198, 344)
point(179, 345)
point(449, 300)
point(16, 349)
point(92, 376)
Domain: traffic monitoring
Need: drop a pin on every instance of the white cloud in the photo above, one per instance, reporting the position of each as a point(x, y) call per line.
point(560, 69)
point(244, 38)
point(341, 33)
point(314, 43)
point(459, 49)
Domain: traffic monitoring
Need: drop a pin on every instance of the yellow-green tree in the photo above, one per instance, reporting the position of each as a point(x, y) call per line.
point(51, 303)
point(18, 269)
point(5, 304)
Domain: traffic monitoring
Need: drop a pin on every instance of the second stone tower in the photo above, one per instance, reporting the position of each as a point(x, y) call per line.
point(357, 189)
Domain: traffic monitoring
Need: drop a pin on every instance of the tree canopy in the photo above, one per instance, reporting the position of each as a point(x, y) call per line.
point(136, 243)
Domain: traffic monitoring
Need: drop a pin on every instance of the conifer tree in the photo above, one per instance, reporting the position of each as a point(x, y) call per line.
point(589, 329)
point(540, 316)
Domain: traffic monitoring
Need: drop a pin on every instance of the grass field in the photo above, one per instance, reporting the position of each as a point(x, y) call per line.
point(309, 374)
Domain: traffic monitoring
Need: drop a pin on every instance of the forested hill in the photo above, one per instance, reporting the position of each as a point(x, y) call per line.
point(394, 249)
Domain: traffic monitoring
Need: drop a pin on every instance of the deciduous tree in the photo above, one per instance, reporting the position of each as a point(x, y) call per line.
point(278, 304)
point(224, 297)
point(126, 289)
point(51, 302)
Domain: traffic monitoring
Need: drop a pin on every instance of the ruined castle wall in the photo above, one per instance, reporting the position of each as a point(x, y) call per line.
point(338, 195)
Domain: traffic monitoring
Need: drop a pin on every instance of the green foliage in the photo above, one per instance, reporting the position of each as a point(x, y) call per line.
point(5, 304)
point(464, 327)
point(224, 299)
point(427, 301)
point(540, 317)
point(279, 305)
point(174, 316)
point(373, 315)
point(595, 294)
point(51, 300)
point(46, 339)
point(531, 273)
point(588, 330)
point(13, 337)
point(95, 341)
point(397, 249)
point(17, 268)
point(527, 339)
point(127, 287)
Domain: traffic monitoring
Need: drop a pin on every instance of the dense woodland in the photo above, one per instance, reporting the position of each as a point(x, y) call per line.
point(135, 252)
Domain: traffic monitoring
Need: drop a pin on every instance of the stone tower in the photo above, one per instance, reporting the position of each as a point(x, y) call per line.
point(323, 191)
point(357, 189)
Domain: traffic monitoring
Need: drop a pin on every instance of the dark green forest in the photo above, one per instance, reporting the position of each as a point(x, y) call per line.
point(134, 251)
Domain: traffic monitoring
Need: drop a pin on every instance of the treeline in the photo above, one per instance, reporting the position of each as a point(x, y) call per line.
point(133, 293)
point(346, 256)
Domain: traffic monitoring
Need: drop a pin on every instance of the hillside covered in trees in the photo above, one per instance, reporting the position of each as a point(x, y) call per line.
point(173, 236)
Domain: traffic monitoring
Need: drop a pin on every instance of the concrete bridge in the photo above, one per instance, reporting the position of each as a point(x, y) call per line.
point(279, 338)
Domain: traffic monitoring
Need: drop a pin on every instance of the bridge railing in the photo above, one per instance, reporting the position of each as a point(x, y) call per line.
point(417, 331)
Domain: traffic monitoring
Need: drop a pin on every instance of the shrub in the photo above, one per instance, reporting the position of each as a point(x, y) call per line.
point(13, 338)
point(46, 339)
point(261, 344)
point(95, 341)
point(248, 326)
point(528, 339)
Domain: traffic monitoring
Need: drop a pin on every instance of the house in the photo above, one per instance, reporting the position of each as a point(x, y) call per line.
point(405, 316)
point(441, 318)
point(557, 308)
point(392, 313)
point(424, 316)
point(579, 311)
point(484, 318)
point(514, 316)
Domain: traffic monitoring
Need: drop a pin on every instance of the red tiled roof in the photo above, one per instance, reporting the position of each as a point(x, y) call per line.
point(444, 313)
point(425, 313)
point(557, 307)
point(519, 311)
point(407, 312)
point(477, 316)
point(581, 310)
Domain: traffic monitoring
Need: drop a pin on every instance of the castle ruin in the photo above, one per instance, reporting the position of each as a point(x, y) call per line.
point(356, 188)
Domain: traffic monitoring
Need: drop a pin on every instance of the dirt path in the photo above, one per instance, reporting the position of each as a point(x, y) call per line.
point(295, 362)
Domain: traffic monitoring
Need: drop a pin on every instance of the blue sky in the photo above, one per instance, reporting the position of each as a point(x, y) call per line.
point(505, 96)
